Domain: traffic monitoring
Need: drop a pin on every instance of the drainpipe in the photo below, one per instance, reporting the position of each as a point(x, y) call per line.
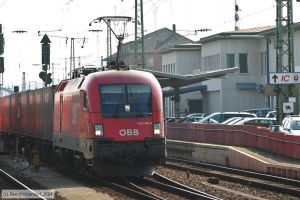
point(268, 66)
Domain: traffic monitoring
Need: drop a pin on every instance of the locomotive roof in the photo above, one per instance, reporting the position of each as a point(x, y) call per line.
point(111, 76)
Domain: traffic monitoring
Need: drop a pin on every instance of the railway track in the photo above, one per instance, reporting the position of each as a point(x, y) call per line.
point(135, 187)
point(148, 188)
point(249, 178)
point(163, 184)
point(8, 182)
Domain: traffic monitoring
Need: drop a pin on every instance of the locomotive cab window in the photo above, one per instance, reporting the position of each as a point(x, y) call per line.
point(130, 100)
point(85, 102)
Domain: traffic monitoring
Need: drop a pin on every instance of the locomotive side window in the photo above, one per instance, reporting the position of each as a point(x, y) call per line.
point(130, 100)
point(85, 102)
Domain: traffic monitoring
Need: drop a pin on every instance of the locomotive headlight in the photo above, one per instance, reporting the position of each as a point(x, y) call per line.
point(156, 128)
point(98, 129)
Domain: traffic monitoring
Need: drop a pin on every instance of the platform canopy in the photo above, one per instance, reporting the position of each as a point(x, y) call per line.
point(176, 80)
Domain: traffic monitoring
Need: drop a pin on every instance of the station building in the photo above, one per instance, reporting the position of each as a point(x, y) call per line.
point(252, 51)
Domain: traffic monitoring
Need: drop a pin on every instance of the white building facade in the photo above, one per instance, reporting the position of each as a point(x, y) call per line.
point(252, 51)
point(182, 59)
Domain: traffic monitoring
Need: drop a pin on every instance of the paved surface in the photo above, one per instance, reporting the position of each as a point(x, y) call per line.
point(269, 157)
point(4, 184)
point(67, 188)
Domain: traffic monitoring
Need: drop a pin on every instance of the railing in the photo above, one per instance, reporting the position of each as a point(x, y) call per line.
point(243, 136)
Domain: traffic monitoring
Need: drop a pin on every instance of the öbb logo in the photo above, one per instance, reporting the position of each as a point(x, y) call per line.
point(129, 132)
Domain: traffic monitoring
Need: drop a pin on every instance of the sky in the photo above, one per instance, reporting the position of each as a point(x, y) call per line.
point(62, 19)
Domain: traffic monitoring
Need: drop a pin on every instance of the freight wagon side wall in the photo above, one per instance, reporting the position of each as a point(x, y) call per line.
point(32, 114)
point(23, 127)
point(28, 113)
point(13, 113)
point(48, 108)
point(43, 105)
point(2, 114)
point(6, 124)
point(5, 114)
point(39, 112)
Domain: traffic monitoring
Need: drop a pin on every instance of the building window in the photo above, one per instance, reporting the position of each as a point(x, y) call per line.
point(243, 62)
point(263, 62)
point(230, 60)
point(211, 62)
point(169, 104)
point(173, 68)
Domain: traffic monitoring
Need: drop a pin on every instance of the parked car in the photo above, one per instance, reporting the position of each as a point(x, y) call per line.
point(232, 120)
point(259, 121)
point(190, 119)
point(260, 112)
point(197, 115)
point(170, 119)
point(272, 114)
point(291, 125)
point(219, 117)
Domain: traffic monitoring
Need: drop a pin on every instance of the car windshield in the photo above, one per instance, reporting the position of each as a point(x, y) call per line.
point(130, 100)
point(295, 125)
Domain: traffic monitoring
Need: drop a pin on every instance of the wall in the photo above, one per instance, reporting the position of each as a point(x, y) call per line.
point(243, 136)
point(185, 61)
point(226, 87)
point(188, 61)
point(213, 102)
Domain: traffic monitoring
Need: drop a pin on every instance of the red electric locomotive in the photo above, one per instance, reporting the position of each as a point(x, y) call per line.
point(110, 122)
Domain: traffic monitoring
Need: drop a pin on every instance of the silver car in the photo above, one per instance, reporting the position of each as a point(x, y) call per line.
point(219, 117)
point(291, 125)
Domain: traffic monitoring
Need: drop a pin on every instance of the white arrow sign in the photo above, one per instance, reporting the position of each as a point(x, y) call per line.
point(284, 78)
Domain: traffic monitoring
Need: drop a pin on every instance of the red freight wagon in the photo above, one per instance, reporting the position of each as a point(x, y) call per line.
point(47, 107)
point(24, 113)
point(5, 112)
point(31, 114)
point(43, 116)
point(13, 113)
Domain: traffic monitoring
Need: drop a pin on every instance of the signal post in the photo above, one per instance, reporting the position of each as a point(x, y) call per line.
point(46, 77)
point(1, 53)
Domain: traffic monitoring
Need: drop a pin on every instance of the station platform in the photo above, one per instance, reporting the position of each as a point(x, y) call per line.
point(236, 157)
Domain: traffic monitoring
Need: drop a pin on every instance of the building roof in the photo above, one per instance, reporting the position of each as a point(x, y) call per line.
point(182, 47)
point(156, 41)
point(272, 31)
point(249, 33)
point(176, 80)
point(255, 29)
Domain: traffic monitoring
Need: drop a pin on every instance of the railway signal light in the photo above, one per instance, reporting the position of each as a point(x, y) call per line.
point(45, 77)
point(45, 50)
point(1, 44)
point(1, 41)
point(16, 88)
point(1, 64)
